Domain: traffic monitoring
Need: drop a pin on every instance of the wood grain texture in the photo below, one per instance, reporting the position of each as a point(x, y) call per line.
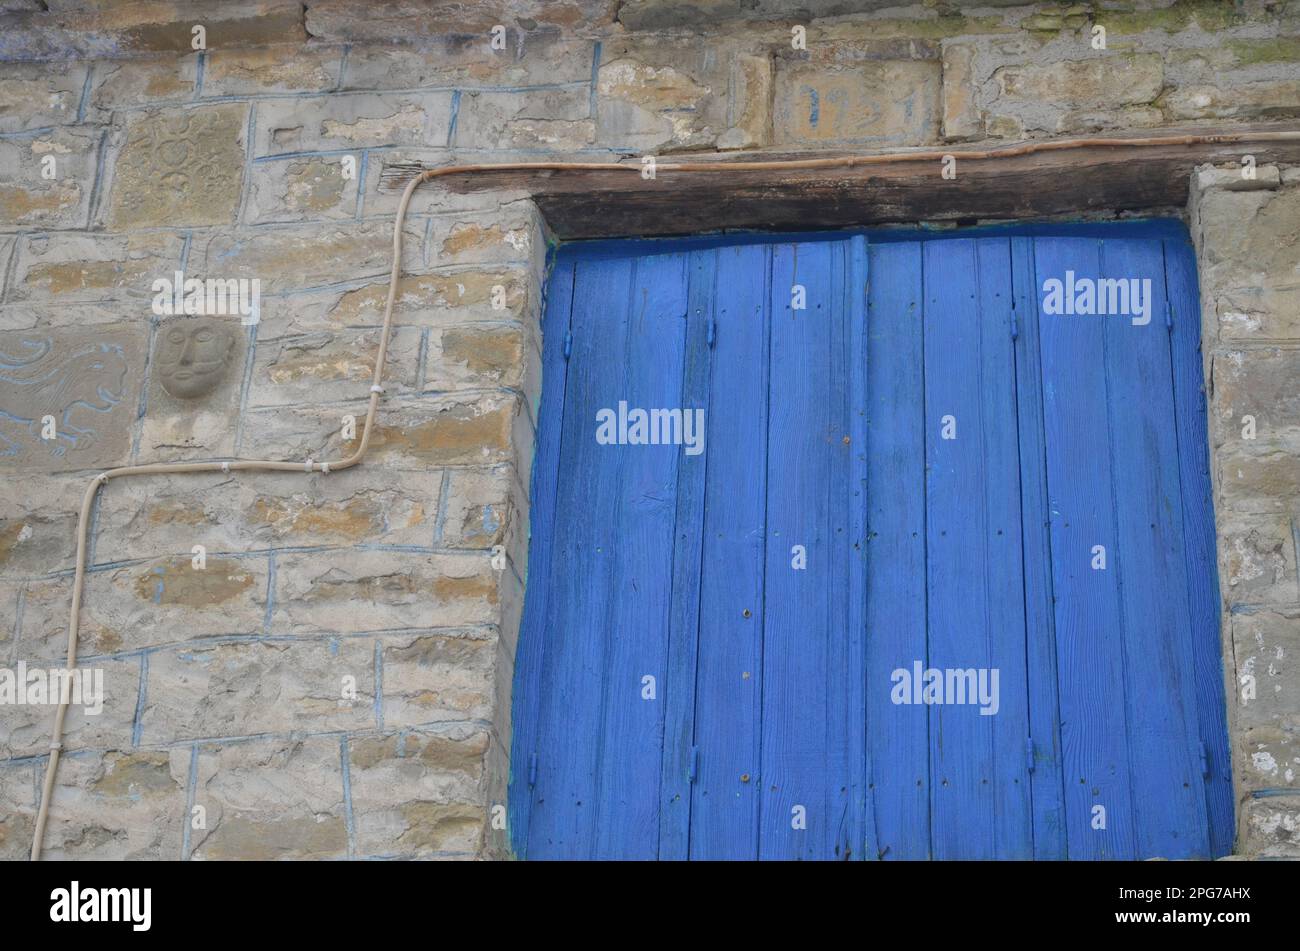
point(979, 780)
point(638, 612)
point(527, 688)
point(1091, 179)
point(897, 735)
point(1168, 801)
point(729, 689)
point(824, 430)
point(574, 672)
point(1044, 747)
point(1089, 619)
point(679, 761)
point(1198, 540)
point(804, 770)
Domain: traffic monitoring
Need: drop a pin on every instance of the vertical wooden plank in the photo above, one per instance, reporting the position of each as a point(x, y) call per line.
point(1168, 798)
point(861, 836)
point(803, 770)
point(1198, 539)
point(979, 783)
point(526, 690)
point(1089, 623)
point(843, 676)
point(1003, 558)
point(724, 811)
point(961, 800)
point(1044, 748)
point(562, 822)
point(898, 797)
point(683, 639)
point(649, 379)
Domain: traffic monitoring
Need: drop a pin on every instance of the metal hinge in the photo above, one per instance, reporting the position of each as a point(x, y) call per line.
point(712, 333)
point(568, 343)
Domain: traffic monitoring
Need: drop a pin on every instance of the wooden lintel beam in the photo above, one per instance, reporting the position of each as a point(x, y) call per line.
point(1090, 178)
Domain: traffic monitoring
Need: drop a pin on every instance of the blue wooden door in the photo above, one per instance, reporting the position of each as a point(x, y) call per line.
point(932, 578)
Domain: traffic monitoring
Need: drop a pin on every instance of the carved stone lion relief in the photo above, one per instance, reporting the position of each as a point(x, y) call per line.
point(65, 401)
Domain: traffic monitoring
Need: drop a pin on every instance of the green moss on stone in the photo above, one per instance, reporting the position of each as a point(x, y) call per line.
point(1282, 49)
point(1209, 15)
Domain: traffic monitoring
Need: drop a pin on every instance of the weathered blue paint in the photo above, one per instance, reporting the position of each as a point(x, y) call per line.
point(707, 662)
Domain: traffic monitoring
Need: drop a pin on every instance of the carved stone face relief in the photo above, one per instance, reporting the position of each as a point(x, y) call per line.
point(193, 355)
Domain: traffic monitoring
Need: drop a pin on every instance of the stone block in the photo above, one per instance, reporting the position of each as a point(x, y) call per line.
point(508, 237)
point(159, 515)
point(68, 399)
point(435, 678)
point(326, 367)
point(661, 94)
point(67, 268)
point(475, 355)
point(12, 593)
point(146, 604)
point(1257, 100)
point(751, 94)
point(118, 805)
point(961, 118)
point(19, 783)
point(449, 430)
point(351, 590)
point(1260, 477)
point(1266, 650)
point(417, 793)
point(44, 315)
point(551, 119)
point(180, 168)
point(454, 430)
point(128, 84)
point(38, 520)
point(46, 181)
point(1070, 96)
point(246, 689)
point(1232, 178)
point(25, 729)
point(1257, 559)
point(1103, 81)
point(293, 257)
point(271, 799)
point(442, 298)
point(873, 103)
point(303, 189)
point(1271, 827)
point(478, 507)
point(33, 96)
point(388, 172)
point(1259, 382)
point(468, 62)
point(343, 20)
point(271, 69)
point(65, 29)
point(352, 121)
point(1250, 261)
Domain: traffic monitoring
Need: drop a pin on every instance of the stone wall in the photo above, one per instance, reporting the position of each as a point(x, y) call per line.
point(1247, 235)
point(335, 681)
